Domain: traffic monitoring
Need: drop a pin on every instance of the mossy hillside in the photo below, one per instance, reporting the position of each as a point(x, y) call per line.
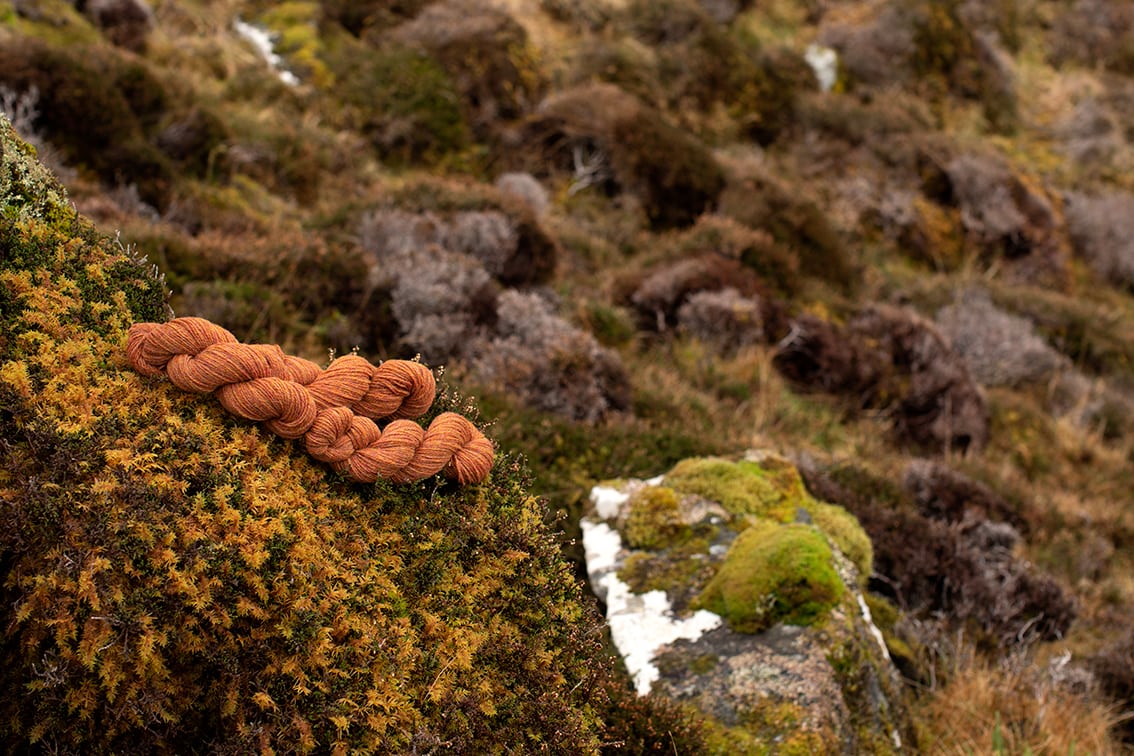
point(774, 573)
point(773, 489)
point(176, 579)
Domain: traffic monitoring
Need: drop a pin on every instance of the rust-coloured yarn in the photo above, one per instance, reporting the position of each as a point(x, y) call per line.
point(334, 408)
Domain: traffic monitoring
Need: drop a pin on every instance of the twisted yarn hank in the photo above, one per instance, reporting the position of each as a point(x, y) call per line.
point(333, 409)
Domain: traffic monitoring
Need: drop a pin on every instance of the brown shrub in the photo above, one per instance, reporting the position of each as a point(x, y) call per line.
point(1094, 32)
point(487, 54)
point(95, 108)
point(598, 131)
point(1005, 216)
point(1113, 668)
point(962, 570)
point(892, 359)
point(673, 175)
point(944, 494)
point(873, 51)
point(796, 223)
point(723, 318)
point(581, 15)
point(938, 45)
point(942, 406)
point(660, 294)
point(193, 139)
point(126, 23)
point(361, 17)
point(818, 355)
point(1000, 349)
point(775, 264)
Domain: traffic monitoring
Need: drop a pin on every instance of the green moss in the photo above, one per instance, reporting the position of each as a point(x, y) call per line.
point(847, 534)
point(772, 488)
point(296, 27)
point(774, 573)
point(742, 488)
point(654, 521)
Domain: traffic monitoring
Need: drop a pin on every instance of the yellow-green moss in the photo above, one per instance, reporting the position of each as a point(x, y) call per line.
point(296, 25)
point(742, 488)
point(654, 520)
point(774, 573)
point(772, 488)
point(846, 533)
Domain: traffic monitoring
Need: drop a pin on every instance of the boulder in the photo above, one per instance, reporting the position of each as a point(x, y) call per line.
point(732, 590)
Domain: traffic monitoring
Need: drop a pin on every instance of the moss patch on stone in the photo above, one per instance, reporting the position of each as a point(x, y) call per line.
point(743, 488)
point(654, 520)
point(774, 573)
point(846, 533)
point(773, 489)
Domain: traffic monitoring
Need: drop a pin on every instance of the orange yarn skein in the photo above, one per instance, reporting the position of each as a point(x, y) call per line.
point(334, 408)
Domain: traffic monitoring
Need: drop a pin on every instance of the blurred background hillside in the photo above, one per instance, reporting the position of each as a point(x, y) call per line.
point(891, 240)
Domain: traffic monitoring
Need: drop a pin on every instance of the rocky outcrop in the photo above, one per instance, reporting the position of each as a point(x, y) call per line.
point(729, 588)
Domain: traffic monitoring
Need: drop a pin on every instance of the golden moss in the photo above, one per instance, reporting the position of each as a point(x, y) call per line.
point(176, 579)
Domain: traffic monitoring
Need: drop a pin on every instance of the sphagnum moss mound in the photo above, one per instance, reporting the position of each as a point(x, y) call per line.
point(178, 580)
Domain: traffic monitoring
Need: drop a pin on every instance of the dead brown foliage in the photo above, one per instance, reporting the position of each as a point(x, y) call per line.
point(890, 359)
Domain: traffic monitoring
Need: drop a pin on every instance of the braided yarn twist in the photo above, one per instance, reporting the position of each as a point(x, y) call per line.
point(333, 409)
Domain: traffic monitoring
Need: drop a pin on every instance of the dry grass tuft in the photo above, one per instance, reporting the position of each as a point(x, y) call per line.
point(1018, 707)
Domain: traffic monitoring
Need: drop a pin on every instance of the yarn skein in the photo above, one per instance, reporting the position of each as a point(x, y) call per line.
point(333, 409)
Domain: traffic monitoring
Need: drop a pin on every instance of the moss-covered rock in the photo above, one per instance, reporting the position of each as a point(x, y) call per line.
point(773, 489)
point(774, 573)
point(175, 579)
point(654, 520)
point(793, 663)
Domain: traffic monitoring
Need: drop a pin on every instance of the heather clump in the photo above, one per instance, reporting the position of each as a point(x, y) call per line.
point(548, 363)
point(487, 55)
point(115, 120)
point(936, 559)
point(663, 290)
point(402, 100)
point(1000, 349)
point(606, 136)
point(894, 359)
point(1102, 230)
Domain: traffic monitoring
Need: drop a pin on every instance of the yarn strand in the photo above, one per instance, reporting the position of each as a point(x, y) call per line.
point(333, 410)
